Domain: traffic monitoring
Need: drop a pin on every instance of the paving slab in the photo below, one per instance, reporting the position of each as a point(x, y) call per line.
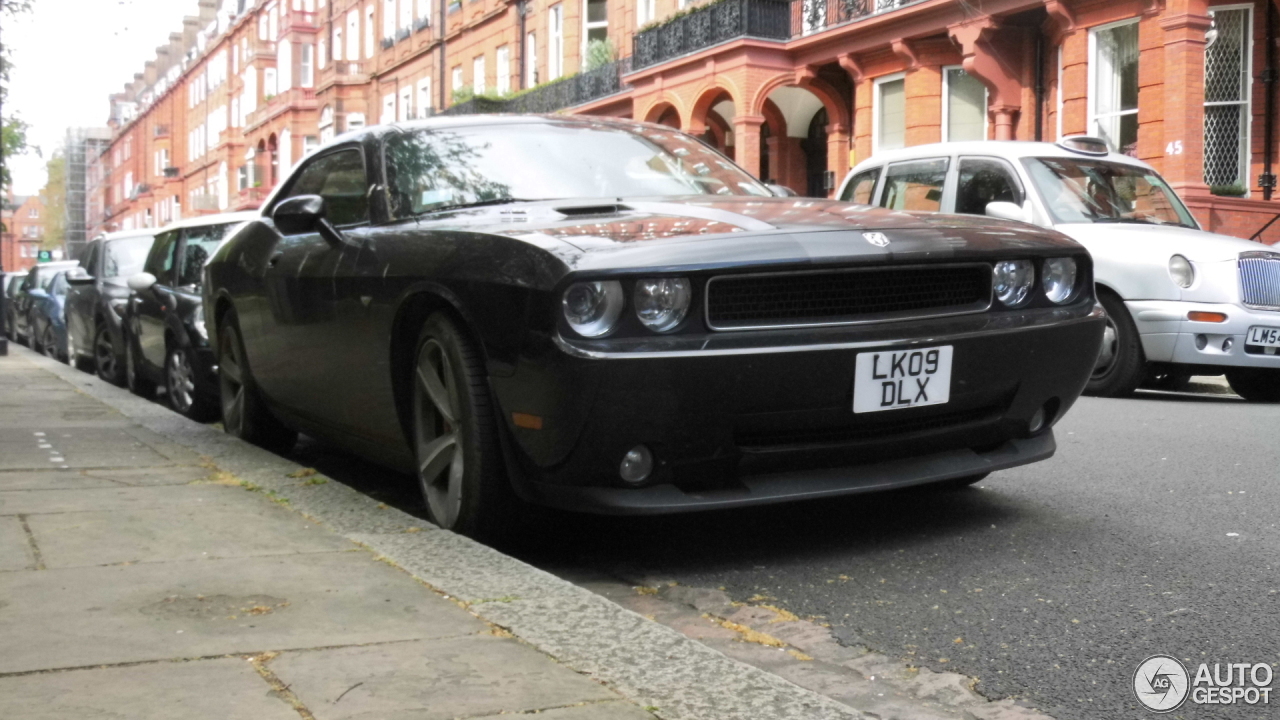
point(180, 532)
point(15, 551)
point(81, 447)
point(150, 477)
point(155, 691)
point(110, 615)
point(432, 680)
point(51, 480)
point(590, 711)
point(118, 498)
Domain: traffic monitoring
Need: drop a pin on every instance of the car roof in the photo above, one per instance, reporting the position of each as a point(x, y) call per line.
point(203, 220)
point(1007, 149)
point(142, 232)
point(55, 265)
point(452, 121)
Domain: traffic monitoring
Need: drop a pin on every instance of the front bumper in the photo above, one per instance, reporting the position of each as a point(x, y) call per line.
point(739, 419)
point(1168, 336)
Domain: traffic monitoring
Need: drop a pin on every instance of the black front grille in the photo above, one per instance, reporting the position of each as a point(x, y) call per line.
point(882, 428)
point(833, 297)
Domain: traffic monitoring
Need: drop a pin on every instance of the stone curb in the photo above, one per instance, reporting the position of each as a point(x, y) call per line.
point(651, 664)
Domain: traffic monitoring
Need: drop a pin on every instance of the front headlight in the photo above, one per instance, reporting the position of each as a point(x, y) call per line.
point(1181, 271)
point(1013, 280)
point(1059, 279)
point(592, 308)
point(661, 303)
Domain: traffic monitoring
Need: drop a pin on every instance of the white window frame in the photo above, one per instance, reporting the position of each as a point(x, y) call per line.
point(946, 106)
point(306, 65)
point(388, 109)
point(370, 34)
point(456, 79)
point(555, 41)
point(502, 71)
point(478, 84)
point(1091, 67)
point(424, 97)
point(1248, 95)
point(646, 12)
point(588, 26)
point(389, 19)
point(353, 35)
point(531, 59)
point(404, 111)
point(875, 106)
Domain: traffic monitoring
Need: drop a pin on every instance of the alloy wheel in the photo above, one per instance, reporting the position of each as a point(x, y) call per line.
point(231, 379)
point(49, 344)
point(104, 354)
point(182, 384)
point(438, 433)
point(1108, 351)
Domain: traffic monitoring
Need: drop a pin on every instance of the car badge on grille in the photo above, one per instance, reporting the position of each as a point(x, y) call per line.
point(876, 238)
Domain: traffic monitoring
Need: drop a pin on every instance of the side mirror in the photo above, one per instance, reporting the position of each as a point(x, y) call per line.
point(141, 281)
point(781, 190)
point(299, 214)
point(1008, 211)
point(37, 293)
point(79, 276)
point(306, 213)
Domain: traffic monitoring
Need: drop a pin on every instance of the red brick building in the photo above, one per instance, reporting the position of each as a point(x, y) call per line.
point(23, 232)
point(795, 90)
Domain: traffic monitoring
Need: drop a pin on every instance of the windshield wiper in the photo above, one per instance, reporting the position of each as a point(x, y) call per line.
point(480, 203)
point(1135, 221)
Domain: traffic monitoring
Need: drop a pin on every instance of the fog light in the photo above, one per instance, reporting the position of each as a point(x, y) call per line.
point(1226, 344)
point(1201, 342)
point(636, 464)
point(1037, 422)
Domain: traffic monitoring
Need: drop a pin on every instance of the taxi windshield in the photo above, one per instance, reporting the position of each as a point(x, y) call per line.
point(1095, 191)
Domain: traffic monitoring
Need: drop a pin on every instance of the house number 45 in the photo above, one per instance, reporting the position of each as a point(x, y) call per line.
point(1173, 148)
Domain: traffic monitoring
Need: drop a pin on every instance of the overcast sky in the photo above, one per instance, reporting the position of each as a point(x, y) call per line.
point(68, 56)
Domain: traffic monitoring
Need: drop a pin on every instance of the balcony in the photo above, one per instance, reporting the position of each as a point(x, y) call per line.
point(403, 34)
point(711, 25)
point(291, 99)
point(261, 50)
point(299, 20)
point(421, 24)
point(250, 198)
point(818, 15)
point(574, 90)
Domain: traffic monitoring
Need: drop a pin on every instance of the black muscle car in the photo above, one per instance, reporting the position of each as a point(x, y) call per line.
point(609, 316)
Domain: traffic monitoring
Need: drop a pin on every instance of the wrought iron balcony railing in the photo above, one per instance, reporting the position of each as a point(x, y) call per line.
point(813, 16)
point(578, 89)
point(710, 25)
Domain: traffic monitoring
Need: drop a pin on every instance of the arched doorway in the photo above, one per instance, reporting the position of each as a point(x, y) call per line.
point(815, 151)
point(669, 117)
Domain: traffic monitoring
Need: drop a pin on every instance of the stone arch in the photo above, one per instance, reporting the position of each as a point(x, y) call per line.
point(662, 111)
point(838, 110)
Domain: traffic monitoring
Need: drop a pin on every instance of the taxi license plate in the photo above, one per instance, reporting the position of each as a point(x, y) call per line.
point(895, 379)
point(1264, 336)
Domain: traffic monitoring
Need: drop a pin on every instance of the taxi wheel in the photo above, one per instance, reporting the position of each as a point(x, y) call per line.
point(1255, 384)
point(1120, 365)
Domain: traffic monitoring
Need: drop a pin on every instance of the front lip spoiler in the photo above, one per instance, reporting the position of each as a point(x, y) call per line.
point(794, 485)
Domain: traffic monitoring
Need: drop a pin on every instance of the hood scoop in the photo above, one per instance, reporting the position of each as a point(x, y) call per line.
point(592, 210)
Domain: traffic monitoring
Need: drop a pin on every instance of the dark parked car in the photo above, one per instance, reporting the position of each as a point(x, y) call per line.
point(48, 321)
point(609, 316)
point(165, 340)
point(34, 287)
point(12, 281)
point(97, 299)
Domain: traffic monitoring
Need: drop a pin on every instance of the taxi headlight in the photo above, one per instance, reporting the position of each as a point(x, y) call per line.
point(1012, 282)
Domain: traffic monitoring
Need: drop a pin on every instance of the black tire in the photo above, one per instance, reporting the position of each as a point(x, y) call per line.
point(460, 472)
point(49, 343)
point(182, 385)
point(1121, 364)
point(1255, 384)
point(244, 414)
point(105, 360)
point(138, 385)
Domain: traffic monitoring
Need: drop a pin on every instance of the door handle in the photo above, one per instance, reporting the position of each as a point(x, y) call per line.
point(275, 259)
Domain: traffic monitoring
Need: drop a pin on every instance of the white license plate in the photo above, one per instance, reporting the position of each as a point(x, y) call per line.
point(896, 379)
point(1264, 336)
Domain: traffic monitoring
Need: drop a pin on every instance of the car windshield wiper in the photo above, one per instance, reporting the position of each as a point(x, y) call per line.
point(1135, 221)
point(480, 203)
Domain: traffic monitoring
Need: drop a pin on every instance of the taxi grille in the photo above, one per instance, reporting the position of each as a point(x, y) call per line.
point(838, 297)
point(1260, 280)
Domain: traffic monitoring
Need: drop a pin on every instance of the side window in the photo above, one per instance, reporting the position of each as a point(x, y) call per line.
point(982, 181)
point(199, 244)
point(58, 288)
point(915, 185)
point(160, 261)
point(339, 179)
point(862, 187)
point(89, 260)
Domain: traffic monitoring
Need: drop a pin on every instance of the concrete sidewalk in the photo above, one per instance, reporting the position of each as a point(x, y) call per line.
point(139, 580)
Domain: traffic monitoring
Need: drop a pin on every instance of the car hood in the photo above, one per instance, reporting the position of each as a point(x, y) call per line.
point(709, 231)
point(1124, 240)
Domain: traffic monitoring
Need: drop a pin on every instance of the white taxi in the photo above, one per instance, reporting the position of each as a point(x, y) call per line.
point(1180, 301)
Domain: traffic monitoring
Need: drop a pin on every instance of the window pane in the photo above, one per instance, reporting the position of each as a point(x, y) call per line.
point(339, 179)
point(893, 116)
point(966, 106)
point(1226, 97)
point(915, 185)
point(597, 11)
point(1117, 79)
point(861, 187)
point(200, 245)
point(125, 256)
point(984, 181)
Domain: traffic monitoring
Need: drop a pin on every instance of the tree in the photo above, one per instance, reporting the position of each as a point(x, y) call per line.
point(13, 131)
point(54, 197)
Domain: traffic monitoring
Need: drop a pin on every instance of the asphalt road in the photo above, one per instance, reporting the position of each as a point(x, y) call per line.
point(1153, 530)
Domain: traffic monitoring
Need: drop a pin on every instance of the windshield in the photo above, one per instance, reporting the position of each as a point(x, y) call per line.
point(126, 255)
point(438, 169)
point(1095, 191)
